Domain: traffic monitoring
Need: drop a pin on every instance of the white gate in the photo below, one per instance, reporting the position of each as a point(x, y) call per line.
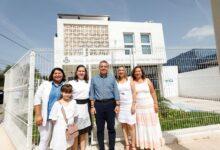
point(18, 101)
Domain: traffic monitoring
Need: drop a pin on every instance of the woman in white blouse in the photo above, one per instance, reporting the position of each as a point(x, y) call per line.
point(47, 94)
point(81, 85)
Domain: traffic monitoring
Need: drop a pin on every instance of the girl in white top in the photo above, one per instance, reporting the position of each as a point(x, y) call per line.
point(58, 141)
point(127, 106)
point(81, 96)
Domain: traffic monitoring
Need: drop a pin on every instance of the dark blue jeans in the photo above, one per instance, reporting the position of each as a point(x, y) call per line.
point(105, 113)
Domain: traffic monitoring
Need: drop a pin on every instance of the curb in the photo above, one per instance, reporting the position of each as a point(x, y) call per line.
point(190, 134)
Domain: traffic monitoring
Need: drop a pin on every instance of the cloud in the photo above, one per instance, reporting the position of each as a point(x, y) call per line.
point(199, 33)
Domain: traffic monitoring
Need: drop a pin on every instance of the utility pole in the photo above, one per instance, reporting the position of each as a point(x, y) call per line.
point(216, 21)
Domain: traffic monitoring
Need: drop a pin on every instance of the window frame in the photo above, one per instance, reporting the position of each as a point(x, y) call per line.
point(146, 44)
point(128, 44)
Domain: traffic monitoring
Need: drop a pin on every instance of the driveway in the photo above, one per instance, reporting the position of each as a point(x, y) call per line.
point(192, 104)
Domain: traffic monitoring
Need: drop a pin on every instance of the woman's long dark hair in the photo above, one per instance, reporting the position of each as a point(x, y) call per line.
point(133, 72)
point(86, 77)
point(59, 69)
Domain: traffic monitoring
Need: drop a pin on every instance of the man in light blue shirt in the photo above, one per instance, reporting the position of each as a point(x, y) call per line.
point(104, 97)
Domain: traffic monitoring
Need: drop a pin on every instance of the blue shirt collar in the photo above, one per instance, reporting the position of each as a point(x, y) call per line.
point(57, 85)
point(103, 76)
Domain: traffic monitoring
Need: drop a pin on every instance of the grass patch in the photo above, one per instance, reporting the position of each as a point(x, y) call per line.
point(171, 119)
point(35, 135)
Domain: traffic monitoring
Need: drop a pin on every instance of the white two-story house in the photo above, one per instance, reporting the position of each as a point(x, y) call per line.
point(88, 39)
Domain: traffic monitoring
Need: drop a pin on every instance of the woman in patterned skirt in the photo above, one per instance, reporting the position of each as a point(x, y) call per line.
point(81, 86)
point(148, 130)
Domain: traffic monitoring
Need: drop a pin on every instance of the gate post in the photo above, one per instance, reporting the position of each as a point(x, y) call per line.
point(30, 100)
point(216, 21)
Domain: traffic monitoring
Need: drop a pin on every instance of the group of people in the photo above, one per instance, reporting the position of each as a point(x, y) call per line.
point(132, 100)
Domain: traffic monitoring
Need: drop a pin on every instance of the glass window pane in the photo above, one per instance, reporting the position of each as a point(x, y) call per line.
point(127, 51)
point(145, 38)
point(146, 49)
point(128, 38)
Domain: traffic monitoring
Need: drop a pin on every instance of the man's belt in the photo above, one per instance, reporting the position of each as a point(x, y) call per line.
point(104, 100)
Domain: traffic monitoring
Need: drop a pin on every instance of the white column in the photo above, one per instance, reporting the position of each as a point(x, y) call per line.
point(159, 68)
point(30, 100)
point(216, 21)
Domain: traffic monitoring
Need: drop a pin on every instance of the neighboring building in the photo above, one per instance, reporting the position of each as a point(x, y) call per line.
point(194, 59)
point(139, 42)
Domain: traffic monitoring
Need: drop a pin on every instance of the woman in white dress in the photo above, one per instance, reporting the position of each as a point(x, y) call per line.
point(59, 141)
point(148, 130)
point(81, 96)
point(127, 106)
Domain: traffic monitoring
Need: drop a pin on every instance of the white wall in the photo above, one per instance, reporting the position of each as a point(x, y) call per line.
point(116, 39)
point(116, 30)
point(204, 83)
point(169, 77)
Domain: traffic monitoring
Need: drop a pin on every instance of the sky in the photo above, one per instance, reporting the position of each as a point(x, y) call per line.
point(32, 23)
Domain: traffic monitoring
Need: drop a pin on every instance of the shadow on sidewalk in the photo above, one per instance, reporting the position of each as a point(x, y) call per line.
point(171, 142)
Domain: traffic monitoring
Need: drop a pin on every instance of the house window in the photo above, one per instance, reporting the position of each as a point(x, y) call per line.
point(128, 42)
point(146, 44)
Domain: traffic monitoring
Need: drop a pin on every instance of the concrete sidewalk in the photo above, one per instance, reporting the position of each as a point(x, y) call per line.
point(198, 142)
point(201, 144)
point(6, 143)
point(197, 138)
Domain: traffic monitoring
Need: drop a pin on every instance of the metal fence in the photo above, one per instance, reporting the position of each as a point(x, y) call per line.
point(18, 101)
point(179, 108)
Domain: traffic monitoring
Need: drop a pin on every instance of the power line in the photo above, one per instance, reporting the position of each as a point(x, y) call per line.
point(13, 41)
point(19, 37)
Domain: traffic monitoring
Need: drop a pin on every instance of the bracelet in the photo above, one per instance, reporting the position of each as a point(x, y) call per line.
point(117, 104)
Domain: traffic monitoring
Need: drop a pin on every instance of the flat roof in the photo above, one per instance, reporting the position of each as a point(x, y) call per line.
point(83, 16)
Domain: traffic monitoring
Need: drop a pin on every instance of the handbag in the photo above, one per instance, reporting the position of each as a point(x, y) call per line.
point(72, 129)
